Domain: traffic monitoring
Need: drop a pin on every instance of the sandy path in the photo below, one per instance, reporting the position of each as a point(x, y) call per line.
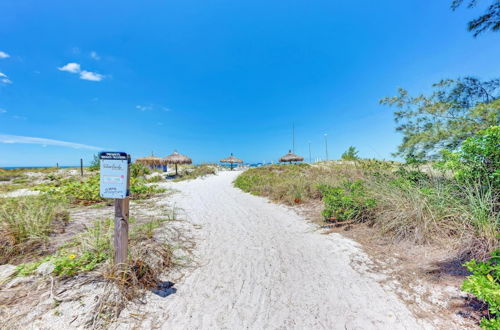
point(264, 267)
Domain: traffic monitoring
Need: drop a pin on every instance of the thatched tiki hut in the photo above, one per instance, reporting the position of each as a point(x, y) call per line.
point(290, 157)
point(176, 159)
point(231, 160)
point(151, 161)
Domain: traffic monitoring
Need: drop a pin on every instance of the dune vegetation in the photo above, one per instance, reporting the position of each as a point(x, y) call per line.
point(445, 192)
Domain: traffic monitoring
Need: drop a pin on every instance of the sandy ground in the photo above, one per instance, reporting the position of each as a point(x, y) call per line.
point(263, 266)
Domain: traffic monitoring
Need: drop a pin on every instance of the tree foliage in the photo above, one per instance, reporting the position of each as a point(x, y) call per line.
point(350, 154)
point(456, 110)
point(488, 21)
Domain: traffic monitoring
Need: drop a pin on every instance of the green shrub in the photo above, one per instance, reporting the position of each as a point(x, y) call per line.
point(478, 160)
point(79, 191)
point(87, 191)
point(350, 154)
point(346, 202)
point(139, 170)
point(95, 164)
point(484, 283)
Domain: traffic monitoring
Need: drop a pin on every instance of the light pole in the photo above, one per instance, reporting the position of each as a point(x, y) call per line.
point(326, 146)
point(310, 158)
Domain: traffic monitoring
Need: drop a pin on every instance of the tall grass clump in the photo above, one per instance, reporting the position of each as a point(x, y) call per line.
point(28, 221)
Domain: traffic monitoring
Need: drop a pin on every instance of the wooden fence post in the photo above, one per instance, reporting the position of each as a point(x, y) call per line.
point(81, 166)
point(121, 225)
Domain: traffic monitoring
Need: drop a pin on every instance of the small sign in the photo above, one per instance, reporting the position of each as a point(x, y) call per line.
point(114, 174)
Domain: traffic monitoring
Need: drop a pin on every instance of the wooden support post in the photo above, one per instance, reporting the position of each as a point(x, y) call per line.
point(81, 166)
point(175, 169)
point(121, 226)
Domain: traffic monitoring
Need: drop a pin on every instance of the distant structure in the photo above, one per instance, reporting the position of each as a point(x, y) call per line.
point(291, 157)
point(176, 159)
point(152, 161)
point(231, 160)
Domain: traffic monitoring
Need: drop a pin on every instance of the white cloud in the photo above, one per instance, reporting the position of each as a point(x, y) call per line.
point(94, 55)
point(3, 110)
point(4, 79)
point(71, 67)
point(84, 74)
point(144, 107)
point(4, 55)
point(44, 142)
point(166, 109)
point(92, 76)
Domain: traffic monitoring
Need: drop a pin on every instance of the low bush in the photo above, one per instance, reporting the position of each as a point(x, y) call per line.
point(138, 170)
point(484, 283)
point(346, 202)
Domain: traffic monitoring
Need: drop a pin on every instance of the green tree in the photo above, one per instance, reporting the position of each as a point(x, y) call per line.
point(350, 154)
point(95, 163)
point(488, 21)
point(456, 110)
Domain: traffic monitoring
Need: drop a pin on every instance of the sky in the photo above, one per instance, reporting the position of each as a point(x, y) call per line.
point(211, 77)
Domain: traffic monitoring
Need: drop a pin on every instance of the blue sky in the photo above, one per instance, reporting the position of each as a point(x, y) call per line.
point(213, 77)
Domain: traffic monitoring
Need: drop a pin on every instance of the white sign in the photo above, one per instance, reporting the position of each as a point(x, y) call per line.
point(114, 172)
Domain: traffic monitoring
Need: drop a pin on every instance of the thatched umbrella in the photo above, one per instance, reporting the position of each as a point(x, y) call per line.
point(151, 161)
point(176, 158)
point(289, 157)
point(231, 160)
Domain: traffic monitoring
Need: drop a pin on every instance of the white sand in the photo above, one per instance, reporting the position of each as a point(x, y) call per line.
point(264, 267)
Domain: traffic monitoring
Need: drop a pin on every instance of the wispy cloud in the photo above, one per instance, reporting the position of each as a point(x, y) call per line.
point(71, 67)
point(3, 110)
point(4, 79)
point(144, 107)
point(84, 74)
point(149, 107)
point(45, 142)
point(94, 55)
point(92, 76)
point(4, 55)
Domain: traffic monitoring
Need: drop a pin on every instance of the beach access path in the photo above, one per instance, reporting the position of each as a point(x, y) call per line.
point(263, 266)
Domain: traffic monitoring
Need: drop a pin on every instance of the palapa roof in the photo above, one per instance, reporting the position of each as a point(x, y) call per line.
point(151, 160)
point(177, 158)
point(231, 159)
point(290, 157)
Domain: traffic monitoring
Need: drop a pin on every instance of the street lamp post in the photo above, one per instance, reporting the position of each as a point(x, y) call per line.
point(310, 158)
point(326, 146)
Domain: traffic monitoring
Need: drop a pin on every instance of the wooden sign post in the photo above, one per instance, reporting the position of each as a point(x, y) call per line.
point(121, 225)
point(115, 183)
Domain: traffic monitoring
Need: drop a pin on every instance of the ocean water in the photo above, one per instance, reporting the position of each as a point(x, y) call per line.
point(36, 167)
